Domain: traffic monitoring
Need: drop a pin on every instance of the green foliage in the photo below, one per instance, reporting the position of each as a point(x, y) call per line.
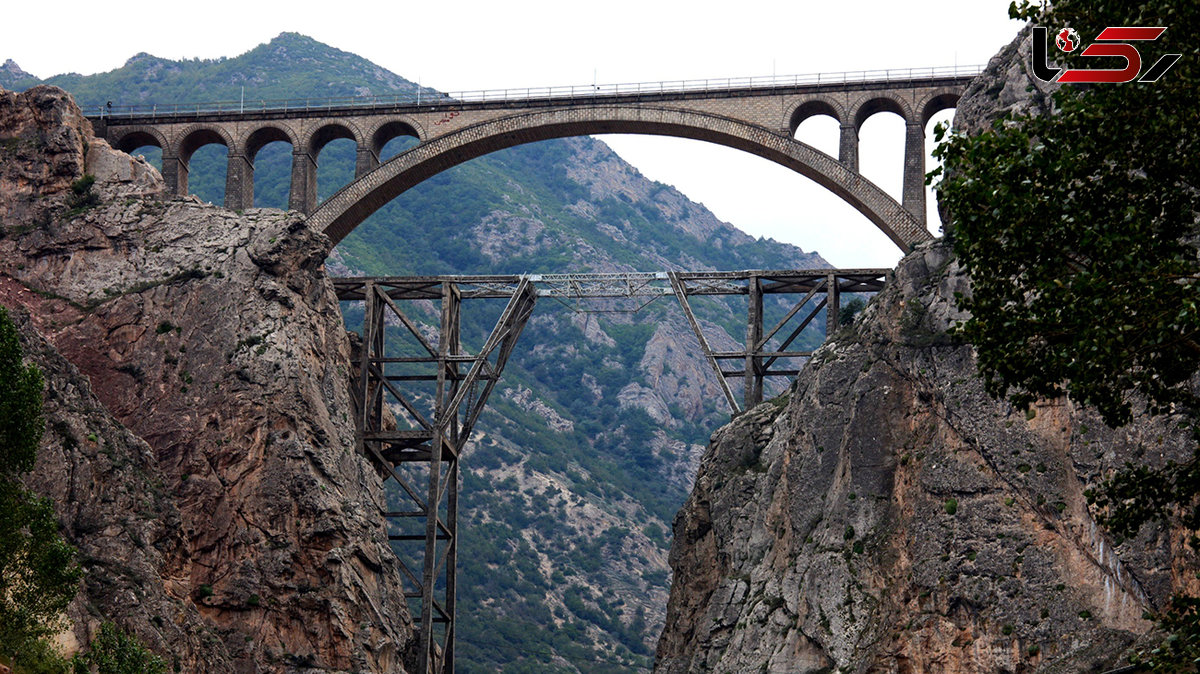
point(115, 652)
point(1181, 621)
point(82, 196)
point(21, 422)
point(83, 185)
point(38, 577)
point(1073, 227)
point(849, 310)
point(1079, 230)
point(951, 506)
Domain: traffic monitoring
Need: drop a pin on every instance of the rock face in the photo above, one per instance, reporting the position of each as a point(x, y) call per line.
point(215, 340)
point(1007, 85)
point(111, 501)
point(40, 139)
point(887, 515)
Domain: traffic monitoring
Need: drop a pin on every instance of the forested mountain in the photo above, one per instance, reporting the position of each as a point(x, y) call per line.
point(591, 440)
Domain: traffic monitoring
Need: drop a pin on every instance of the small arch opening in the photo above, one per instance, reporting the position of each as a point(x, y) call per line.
point(397, 145)
point(335, 150)
point(205, 154)
point(272, 175)
point(269, 151)
point(881, 138)
point(822, 132)
point(206, 173)
point(335, 167)
point(393, 138)
point(936, 105)
point(933, 218)
point(151, 153)
point(818, 124)
point(876, 106)
point(144, 144)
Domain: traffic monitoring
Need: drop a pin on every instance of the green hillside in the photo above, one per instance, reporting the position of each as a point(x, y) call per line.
point(590, 441)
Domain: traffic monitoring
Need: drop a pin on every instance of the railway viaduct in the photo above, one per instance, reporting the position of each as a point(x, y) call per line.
point(758, 115)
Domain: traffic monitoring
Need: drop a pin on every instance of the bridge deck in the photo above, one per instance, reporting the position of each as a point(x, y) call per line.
point(612, 285)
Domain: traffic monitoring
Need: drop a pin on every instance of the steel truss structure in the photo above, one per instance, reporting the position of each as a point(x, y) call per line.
point(416, 409)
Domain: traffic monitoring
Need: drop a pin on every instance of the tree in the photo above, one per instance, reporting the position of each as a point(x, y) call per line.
point(849, 310)
point(1079, 230)
point(38, 576)
point(115, 652)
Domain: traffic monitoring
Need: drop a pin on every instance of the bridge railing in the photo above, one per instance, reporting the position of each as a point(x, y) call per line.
point(429, 97)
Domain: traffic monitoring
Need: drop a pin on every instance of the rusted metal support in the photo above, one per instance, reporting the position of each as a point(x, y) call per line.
point(433, 439)
point(758, 358)
point(833, 305)
point(682, 295)
point(753, 377)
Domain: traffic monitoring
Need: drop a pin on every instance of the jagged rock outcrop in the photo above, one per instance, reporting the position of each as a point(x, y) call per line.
point(41, 134)
point(11, 68)
point(1006, 86)
point(215, 339)
point(887, 515)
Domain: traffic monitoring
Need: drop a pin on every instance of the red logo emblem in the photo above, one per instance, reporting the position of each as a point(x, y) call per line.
point(1067, 40)
point(1111, 42)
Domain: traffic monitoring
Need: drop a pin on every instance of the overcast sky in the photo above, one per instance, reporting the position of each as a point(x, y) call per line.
point(456, 45)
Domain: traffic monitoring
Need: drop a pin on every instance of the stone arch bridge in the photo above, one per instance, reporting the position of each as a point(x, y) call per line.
point(758, 115)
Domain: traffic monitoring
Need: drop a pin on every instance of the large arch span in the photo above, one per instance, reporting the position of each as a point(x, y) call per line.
point(346, 209)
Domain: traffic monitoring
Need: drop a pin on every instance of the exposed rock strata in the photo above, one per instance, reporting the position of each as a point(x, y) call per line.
point(889, 516)
point(215, 338)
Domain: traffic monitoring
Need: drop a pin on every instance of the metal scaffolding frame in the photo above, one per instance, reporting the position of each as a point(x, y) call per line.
point(432, 438)
point(413, 435)
point(820, 289)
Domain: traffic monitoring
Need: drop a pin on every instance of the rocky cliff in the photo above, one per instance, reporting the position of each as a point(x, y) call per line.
point(201, 448)
point(887, 515)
